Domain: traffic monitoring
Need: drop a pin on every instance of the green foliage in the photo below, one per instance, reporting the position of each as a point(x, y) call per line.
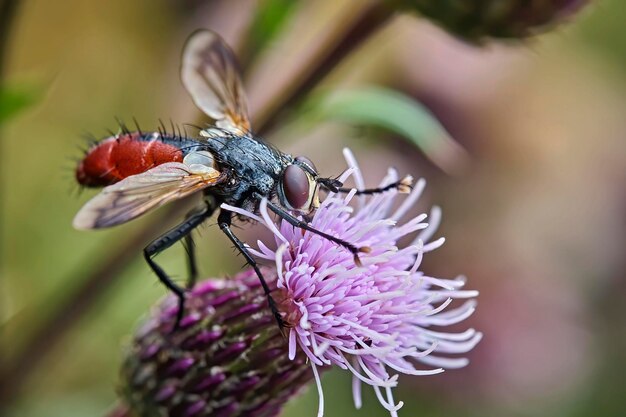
point(270, 18)
point(396, 112)
point(603, 30)
point(15, 98)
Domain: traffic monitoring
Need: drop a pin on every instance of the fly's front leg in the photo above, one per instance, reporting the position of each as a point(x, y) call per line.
point(165, 241)
point(224, 221)
point(403, 186)
point(294, 221)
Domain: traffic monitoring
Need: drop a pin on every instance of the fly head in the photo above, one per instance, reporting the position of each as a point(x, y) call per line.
point(298, 186)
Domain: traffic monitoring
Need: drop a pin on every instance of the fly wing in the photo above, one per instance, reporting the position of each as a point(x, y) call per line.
point(210, 74)
point(135, 195)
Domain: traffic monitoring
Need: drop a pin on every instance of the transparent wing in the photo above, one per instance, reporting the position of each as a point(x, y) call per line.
point(135, 195)
point(211, 75)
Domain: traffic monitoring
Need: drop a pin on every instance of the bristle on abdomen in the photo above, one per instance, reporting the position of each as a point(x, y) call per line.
point(116, 158)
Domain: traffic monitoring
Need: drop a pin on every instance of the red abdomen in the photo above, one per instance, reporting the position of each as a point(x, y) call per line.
point(116, 158)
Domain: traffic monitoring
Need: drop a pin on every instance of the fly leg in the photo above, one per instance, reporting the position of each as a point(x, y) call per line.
point(403, 185)
point(294, 221)
point(224, 221)
point(165, 241)
point(192, 266)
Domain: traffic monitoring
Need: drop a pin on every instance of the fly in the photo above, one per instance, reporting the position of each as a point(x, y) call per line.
point(227, 163)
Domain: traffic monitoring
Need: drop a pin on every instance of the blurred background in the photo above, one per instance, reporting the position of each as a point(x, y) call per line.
point(522, 145)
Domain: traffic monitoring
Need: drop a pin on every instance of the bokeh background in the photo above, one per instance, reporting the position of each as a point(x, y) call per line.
point(533, 190)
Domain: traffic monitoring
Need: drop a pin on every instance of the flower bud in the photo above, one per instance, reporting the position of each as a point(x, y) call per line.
point(477, 20)
point(228, 358)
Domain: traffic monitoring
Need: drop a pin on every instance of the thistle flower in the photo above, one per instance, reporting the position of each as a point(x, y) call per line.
point(371, 318)
point(476, 20)
point(377, 320)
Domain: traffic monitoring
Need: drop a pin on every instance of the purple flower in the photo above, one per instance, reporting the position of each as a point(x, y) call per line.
point(378, 319)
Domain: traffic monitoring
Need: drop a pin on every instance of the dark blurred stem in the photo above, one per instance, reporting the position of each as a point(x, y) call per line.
point(95, 285)
point(8, 9)
point(372, 18)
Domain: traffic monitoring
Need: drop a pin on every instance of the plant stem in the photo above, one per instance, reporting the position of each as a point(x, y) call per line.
point(351, 27)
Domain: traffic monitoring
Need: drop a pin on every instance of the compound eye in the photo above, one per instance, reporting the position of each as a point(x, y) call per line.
point(296, 186)
point(306, 161)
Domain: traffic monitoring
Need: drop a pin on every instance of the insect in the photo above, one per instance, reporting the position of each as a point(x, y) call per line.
point(227, 163)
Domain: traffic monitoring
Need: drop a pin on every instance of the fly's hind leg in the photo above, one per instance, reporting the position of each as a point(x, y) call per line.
point(165, 241)
point(224, 221)
point(192, 265)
